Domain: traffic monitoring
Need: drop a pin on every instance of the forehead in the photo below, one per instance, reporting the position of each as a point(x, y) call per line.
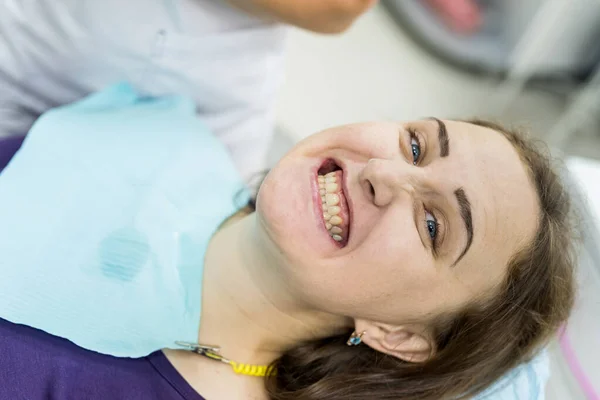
point(504, 201)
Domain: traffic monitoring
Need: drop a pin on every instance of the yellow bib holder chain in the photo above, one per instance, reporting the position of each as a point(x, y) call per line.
point(212, 352)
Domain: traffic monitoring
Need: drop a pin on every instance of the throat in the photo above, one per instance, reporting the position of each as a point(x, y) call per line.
point(247, 307)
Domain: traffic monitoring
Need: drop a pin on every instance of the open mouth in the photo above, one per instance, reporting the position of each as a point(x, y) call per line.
point(336, 214)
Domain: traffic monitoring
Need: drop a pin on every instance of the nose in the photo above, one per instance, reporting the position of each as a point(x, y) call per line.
point(384, 180)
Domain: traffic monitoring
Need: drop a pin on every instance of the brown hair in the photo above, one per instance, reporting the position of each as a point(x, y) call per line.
point(476, 345)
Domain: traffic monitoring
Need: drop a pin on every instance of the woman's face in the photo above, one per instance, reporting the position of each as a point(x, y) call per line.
point(420, 217)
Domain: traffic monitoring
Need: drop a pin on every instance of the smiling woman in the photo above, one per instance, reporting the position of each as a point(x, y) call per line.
point(458, 264)
point(418, 260)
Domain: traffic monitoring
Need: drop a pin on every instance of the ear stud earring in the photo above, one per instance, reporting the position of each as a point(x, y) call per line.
point(355, 339)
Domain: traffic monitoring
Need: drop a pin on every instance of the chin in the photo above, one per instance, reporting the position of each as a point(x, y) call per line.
point(281, 211)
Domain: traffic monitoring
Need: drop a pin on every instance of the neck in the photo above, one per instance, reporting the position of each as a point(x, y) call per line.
point(248, 308)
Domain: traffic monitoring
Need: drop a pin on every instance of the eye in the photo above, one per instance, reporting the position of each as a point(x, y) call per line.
point(415, 146)
point(432, 225)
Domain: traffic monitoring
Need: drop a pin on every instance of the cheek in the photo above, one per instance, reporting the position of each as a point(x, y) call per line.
point(398, 276)
point(399, 265)
point(380, 142)
point(359, 141)
point(391, 272)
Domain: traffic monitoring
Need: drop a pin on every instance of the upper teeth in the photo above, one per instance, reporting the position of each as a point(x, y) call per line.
point(333, 210)
point(332, 199)
point(328, 187)
point(331, 187)
point(335, 220)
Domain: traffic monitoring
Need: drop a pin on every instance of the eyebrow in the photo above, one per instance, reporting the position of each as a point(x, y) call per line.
point(461, 197)
point(465, 212)
point(443, 137)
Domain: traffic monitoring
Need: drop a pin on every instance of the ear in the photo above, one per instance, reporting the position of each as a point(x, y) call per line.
point(410, 343)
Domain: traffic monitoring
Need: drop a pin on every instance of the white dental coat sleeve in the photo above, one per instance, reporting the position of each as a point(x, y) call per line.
point(54, 52)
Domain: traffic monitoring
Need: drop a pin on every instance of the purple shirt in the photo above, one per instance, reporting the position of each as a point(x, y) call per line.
point(37, 366)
